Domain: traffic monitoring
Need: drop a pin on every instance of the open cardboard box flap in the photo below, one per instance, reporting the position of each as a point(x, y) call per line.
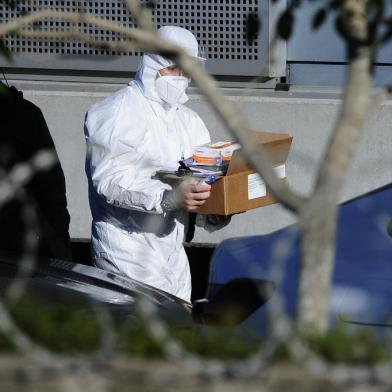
point(276, 145)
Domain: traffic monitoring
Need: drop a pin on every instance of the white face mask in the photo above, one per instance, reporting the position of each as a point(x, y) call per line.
point(171, 89)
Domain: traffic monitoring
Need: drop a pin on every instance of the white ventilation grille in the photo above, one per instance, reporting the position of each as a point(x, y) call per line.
point(220, 27)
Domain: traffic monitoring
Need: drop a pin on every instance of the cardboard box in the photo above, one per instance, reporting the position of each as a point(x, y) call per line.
point(242, 189)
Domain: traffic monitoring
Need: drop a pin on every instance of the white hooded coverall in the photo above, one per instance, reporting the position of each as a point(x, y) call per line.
point(130, 135)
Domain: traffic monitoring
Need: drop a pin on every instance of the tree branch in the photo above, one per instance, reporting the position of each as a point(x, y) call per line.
point(148, 39)
point(388, 33)
point(318, 217)
point(141, 14)
point(77, 35)
point(356, 103)
point(227, 112)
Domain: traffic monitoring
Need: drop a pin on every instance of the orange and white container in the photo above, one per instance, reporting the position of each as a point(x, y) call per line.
point(213, 154)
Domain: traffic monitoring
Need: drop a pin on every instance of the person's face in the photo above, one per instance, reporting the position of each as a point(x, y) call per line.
point(173, 70)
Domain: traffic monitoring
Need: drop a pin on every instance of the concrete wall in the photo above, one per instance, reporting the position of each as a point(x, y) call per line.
point(307, 114)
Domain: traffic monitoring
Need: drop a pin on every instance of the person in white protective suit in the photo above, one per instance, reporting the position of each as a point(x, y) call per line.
point(138, 221)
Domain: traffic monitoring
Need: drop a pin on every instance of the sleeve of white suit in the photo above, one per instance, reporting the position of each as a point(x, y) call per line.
point(121, 170)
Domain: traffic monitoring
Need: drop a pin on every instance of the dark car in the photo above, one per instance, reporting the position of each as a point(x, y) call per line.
point(56, 281)
point(362, 276)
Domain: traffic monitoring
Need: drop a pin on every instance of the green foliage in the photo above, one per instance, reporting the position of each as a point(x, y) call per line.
point(9, 3)
point(69, 327)
point(218, 342)
point(151, 4)
point(135, 340)
point(344, 346)
point(207, 342)
point(375, 7)
point(285, 24)
point(6, 343)
point(339, 27)
point(61, 326)
point(319, 18)
point(335, 4)
point(253, 26)
point(3, 88)
point(4, 51)
point(340, 345)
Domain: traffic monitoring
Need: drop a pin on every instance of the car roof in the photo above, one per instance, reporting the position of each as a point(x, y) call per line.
point(91, 282)
point(363, 260)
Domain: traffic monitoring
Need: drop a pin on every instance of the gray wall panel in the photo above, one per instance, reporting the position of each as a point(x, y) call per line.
point(332, 75)
point(307, 114)
point(324, 44)
point(220, 27)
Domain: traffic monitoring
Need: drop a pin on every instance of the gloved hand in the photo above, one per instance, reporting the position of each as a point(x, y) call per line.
point(191, 193)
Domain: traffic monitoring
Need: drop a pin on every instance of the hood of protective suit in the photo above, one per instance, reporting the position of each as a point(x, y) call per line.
point(152, 63)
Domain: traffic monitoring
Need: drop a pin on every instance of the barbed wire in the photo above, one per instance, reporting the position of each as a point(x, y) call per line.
point(12, 187)
point(281, 328)
point(282, 332)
